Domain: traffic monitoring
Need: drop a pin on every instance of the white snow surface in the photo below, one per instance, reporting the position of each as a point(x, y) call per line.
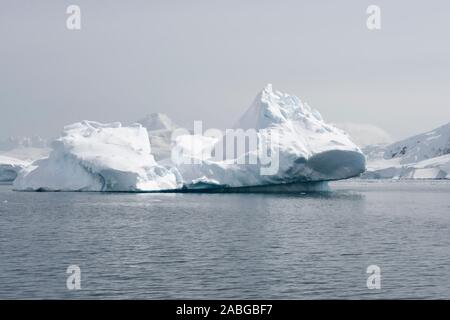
point(90, 156)
point(423, 156)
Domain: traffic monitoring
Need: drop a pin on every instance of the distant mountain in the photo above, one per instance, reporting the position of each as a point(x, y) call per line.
point(157, 121)
point(420, 147)
point(18, 152)
point(22, 142)
point(9, 168)
point(159, 127)
point(365, 134)
point(423, 156)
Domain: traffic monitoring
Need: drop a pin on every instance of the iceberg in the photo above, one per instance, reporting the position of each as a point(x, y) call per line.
point(307, 148)
point(300, 152)
point(423, 156)
point(90, 156)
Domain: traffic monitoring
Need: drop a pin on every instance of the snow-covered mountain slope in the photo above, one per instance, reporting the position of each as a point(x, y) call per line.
point(22, 142)
point(423, 156)
point(28, 154)
point(90, 156)
point(17, 153)
point(423, 146)
point(157, 121)
point(160, 128)
point(434, 168)
point(303, 149)
point(9, 168)
point(365, 134)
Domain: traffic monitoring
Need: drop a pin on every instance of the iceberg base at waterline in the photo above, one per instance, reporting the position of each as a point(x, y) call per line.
point(296, 187)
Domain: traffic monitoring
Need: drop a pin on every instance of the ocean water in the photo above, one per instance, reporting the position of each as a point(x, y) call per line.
point(261, 246)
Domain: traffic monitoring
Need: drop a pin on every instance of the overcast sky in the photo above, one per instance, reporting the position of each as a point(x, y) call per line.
point(207, 60)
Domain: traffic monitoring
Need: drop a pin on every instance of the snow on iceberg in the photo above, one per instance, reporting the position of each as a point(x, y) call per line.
point(304, 152)
point(307, 149)
point(91, 156)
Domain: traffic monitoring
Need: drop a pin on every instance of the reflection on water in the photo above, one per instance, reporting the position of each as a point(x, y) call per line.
point(288, 245)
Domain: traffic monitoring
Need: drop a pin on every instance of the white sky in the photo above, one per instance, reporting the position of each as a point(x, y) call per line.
point(206, 60)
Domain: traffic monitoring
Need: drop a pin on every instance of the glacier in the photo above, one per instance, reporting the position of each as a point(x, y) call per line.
point(91, 156)
point(10, 167)
point(423, 156)
point(17, 153)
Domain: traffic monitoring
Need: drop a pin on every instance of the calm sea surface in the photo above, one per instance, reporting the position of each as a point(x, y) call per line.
point(292, 246)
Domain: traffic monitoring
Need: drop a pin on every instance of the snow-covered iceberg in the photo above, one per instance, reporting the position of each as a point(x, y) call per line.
point(423, 156)
point(307, 149)
point(299, 149)
point(91, 156)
